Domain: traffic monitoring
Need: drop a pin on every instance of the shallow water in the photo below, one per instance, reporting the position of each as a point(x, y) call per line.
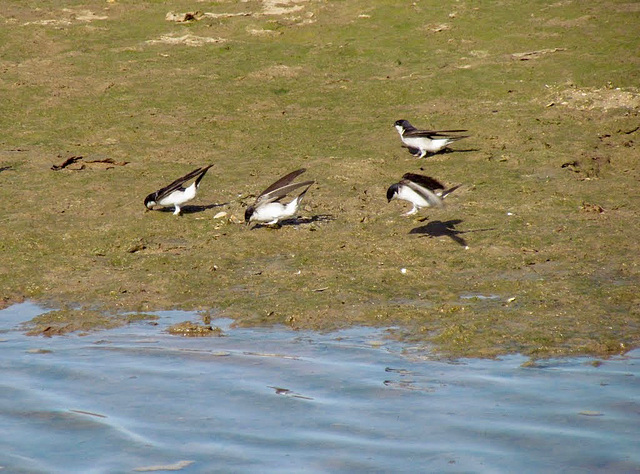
point(273, 400)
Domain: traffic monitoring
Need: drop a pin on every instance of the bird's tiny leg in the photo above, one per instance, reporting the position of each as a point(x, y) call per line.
point(411, 212)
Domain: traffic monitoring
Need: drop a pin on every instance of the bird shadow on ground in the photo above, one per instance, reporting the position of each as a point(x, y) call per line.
point(459, 150)
point(445, 151)
point(448, 229)
point(192, 209)
point(298, 221)
point(5, 168)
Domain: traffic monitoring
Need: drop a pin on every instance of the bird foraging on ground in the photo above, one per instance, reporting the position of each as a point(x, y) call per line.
point(267, 207)
point(421, 142)
point(176, 194)
point(421, 191)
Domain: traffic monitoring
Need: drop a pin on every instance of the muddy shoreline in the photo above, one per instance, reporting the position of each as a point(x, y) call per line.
point(535, 253)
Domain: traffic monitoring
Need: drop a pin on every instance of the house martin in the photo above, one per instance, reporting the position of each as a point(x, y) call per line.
point(176, 194)
point(421, 191)
point(421, 142)
point(268, 209)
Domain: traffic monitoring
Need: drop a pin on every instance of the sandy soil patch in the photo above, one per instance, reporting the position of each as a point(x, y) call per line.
point(597, 98)
point(70, 17)
point(273, 72)
point(188, 40)
point(282, 7)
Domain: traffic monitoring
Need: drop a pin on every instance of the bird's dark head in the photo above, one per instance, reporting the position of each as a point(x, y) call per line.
point(248, 213)
point(403, 126)
point(392, 192)
point(150, 201)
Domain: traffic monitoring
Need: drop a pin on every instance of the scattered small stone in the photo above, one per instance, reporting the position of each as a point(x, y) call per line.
point(439, 28)
point(220, 215)
point(184, 17)
point(136, 247)
point(587, 207)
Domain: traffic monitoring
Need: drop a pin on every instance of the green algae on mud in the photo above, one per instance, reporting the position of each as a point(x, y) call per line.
point(548, 208)
point(65, 321)
point(195, 329)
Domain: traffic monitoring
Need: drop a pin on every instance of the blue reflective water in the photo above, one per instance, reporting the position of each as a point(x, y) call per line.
point(272, 400)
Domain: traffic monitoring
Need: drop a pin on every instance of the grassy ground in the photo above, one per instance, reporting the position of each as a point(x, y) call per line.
point(548, 208)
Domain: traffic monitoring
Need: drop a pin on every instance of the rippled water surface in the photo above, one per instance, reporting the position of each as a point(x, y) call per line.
point(272, 400)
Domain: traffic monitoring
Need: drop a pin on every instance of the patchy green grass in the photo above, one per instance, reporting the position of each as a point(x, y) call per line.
point(548, 210)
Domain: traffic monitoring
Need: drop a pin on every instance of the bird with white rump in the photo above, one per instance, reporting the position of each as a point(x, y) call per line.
point(421, 142)
point(419, 190)
point(176, 194)
point(267, 208)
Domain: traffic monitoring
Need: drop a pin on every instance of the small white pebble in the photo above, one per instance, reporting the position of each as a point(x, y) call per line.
point(513, 298)
point(509, 213)
point(403, 270)
point(220, 215)
point(466, 247)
